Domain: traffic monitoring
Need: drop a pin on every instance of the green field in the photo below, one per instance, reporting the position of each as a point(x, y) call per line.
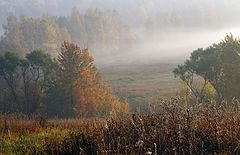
point(141, 83)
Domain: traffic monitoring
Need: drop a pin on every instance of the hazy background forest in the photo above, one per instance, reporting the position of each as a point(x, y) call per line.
point(131, 29)
point(135, 44)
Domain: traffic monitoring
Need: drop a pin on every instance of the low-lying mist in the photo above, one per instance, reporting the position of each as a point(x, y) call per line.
point(171, 46)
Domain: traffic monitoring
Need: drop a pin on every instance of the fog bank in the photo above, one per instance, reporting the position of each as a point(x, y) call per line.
point(171, 47)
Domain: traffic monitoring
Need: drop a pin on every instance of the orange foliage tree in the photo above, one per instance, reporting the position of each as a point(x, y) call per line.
point(88, 95)
point(96, 99)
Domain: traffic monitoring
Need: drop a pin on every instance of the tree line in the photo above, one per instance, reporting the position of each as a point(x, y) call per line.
point(104, 31)
point(199, 13)
point(67, 86)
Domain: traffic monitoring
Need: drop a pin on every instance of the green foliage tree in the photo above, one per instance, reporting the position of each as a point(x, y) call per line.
point(41, 67)
point(38, 69)
point(24, 81)
point(9, 72)
point(218, 64)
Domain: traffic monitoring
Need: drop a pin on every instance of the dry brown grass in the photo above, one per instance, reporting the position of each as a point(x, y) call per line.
point(170, 129)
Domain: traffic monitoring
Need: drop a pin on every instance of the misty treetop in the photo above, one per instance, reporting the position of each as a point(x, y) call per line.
point(102, 31)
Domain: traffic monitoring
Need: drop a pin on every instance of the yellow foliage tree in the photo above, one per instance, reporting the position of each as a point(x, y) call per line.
point(209, 92)
point(184, 93)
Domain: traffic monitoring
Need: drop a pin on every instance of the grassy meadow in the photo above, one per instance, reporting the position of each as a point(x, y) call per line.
point(141, 83)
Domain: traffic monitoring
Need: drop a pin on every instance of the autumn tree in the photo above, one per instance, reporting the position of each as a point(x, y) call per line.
point(96, 99)
point(70, 61)
point(81, 84)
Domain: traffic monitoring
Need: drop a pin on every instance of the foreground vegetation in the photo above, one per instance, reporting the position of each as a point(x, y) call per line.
point(169, 128)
